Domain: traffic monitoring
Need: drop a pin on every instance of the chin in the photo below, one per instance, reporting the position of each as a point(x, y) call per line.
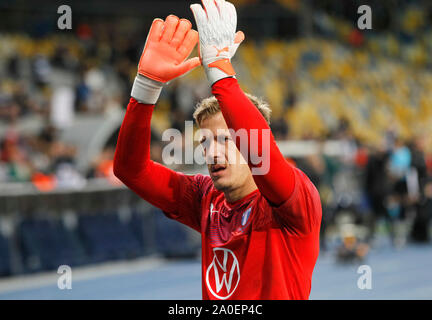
point(221, 185)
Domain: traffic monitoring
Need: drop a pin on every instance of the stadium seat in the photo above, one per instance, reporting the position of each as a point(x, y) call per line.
point(4, 256)
point(47, 244)
point(107, 238)
point(172, 238)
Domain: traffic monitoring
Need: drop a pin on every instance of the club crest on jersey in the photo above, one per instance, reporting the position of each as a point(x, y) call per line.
point(245, 216)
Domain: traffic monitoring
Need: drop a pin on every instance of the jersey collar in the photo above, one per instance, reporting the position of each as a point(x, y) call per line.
point(238, 203)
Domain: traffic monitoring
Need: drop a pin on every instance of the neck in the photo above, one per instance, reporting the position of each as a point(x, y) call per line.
point(233, 195)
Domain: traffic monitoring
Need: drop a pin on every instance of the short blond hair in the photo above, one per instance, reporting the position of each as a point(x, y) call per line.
point(209, 107)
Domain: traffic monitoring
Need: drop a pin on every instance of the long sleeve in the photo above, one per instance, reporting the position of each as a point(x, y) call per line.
point(240, 113)
point(177, 194)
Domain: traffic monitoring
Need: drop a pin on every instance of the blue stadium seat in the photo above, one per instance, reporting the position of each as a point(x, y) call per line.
point(4, 257)
point(172, 239)
point(142, 225)
point(47, 244)
point(108, 238)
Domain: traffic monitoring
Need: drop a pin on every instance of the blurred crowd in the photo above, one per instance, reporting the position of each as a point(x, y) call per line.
point(373, 191)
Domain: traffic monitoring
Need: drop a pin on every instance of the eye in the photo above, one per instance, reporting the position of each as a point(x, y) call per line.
point(205, 143)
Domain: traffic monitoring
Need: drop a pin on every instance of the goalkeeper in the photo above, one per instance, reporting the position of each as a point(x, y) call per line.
point(259, 230)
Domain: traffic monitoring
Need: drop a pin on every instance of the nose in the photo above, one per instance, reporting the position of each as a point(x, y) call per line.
point(214, 153)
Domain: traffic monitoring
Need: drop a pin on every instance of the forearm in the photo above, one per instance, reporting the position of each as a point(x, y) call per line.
point(240, 113)
point(132, 153)
point(132, 164)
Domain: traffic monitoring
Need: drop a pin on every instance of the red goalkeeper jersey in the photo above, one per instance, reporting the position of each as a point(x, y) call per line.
point(263, 246)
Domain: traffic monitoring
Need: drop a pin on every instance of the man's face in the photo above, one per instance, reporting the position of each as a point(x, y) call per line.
point(226, 166)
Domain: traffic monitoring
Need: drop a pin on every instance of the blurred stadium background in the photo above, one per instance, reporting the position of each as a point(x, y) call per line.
point(352, 108)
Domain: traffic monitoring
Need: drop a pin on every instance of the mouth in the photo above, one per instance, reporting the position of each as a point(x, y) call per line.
point(217, 170)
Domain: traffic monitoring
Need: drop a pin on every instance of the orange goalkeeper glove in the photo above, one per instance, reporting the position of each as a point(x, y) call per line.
point(163, 59)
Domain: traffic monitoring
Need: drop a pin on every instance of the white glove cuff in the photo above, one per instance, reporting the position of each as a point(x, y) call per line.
point(215, 74)
point(146, 90)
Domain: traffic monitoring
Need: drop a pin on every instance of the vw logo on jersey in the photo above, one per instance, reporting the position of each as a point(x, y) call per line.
point(245, 216)
point(223, 273)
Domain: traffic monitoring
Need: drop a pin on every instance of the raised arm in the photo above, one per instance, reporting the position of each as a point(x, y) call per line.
point(294, 199)
point(276, 181)
point(217, 23)
point(168, 44)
